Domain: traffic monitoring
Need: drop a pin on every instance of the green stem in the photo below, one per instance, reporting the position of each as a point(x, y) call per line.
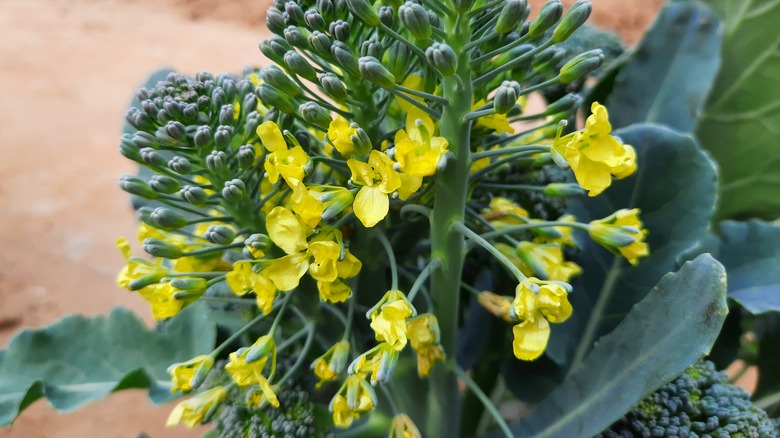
point(390, 258)
point(510, 150)
point(301, 355)
point(511, 64)
point(476, 238)
point(248, 326)
point(526, 227)
point(212, 249)
point(422, 94)
point(489, 406)
point(418, 283)
point(768, 401)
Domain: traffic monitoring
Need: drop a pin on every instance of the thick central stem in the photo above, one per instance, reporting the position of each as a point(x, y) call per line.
point(447, 245)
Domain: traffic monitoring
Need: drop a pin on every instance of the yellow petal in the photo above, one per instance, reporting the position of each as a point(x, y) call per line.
point(286, 272)
point(286, 230)
point(530, 338)
point(371, 206)
point(271, 136)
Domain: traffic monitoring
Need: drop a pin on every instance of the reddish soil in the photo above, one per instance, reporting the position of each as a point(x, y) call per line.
point(69, 69)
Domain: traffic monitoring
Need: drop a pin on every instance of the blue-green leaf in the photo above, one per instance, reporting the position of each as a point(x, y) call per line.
point(78, 359)
point(659, 338)
point(667, 78)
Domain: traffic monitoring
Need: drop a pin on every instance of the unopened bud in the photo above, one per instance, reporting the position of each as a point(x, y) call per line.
point(227, 115)
point(135, 186)
point(180, 165)
point(576, 16)
point(549, 15)
point(360, 140)
point(344, 57)
point(139, 120)
point(387, 365)
point(506, 97)
point(271, 96)
point(364, 11)
point(299, 65)
point(374, 71)
point(278, 79)
point(151, 157)
point(581, 65)
point(246, 156)
point(415, 18)
point(216, 161)
point(340, 30)
point(161, 248)
point(234, 190)
point(612, 236)
point(257, 245)
point(129, 149)
point(220, 234)
point(372, 47)
point(145, 140)
point(167, 218)
point(333, 87)
point(294, 12)
point(326, 8)
point(194, 195)
point(295, 37)
point(315, 114)
point(314, 19)
point(249, 105)
point(188, 287)
point(442, 57)
point(274, 20)
point(264, 346)
point(547, 59)
point(176, 130)
point(564, 190)
point(164, 184)
point(321, 43)
point(397, 59)
point(565, 104)
point(267, 48)
point(511, 14)
point(222, 136)
point(386, 16)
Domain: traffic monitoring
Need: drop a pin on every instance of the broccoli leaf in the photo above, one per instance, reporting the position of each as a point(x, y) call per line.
point(78, 359)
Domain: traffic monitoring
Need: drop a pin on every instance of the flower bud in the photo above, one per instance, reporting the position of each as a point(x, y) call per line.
point(219, 234)
point(576, 16)
point(180, 165)
point(374, 71)
point(270, 96)
point(145, 140)
point(549, 15)
point(216, 161)
point(333, 87)
point(564, 190)
point(234, 190)
point(326, 8)
point(565, 104)
point(340, 30)
point(441, 56)
point(274, 20)
point(139, 120)
point(278, 79)
point(268, 49)
point(547, 60)
point(222, 136)
point(363, 10)
point(188, 287)
point(135, 186)
point(164, 184)
point(202, 136)
point(227, 115)
point(194, 195)
point(257, 245)
point(397, 59)
point(129, 149)
point(246, 156)
point(387, 365)
point(296, 39)
point(167, 218)
point(344, 57)
point(415, 18)
point(372, 47)
point(151, 157)
point(296, 63)
point(360, 140)
point(513, 12)
point(249, 105)
point(314, 19)
point(176, 130)
point(264, 346)
point(315, 114)
point(506, 96)
point(581, 65)
point(294, 11)
point(161, 248)
point(150, 108)
point(321, 43)
point(386, 16)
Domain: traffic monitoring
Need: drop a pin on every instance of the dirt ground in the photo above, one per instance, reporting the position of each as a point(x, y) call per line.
point(68, 69)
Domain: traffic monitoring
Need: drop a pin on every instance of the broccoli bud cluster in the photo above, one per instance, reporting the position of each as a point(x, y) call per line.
point(698, 403)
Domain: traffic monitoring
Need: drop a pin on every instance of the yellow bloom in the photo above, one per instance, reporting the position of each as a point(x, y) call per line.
point(388, 318)
point(306, 206)
point(325, 255)
point(189, 374)
point(286, 230)
point(546, 262)
point(160, 298)
point(379, 362)
point(205, 263)
point(139, 272)
point(242, 280)
point(537, 303)
point(416, 149)
point(403, 427)
point(494, 122)
point(504, 213)
point(193, 411)
point(251, 373)
point(564, 238)
point(334, 199)
point(423, 333)
point(622, 233)
point(290, 163)
point(355, 397)
point(328, 366)
point(594, 155)
point(264, 394)
point(340, 134)
point(378, 180)
point(146, 231)
point(334, 291)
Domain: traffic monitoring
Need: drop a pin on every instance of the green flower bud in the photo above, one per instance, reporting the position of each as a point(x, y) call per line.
point(513, 12)
point(612, 236)
point(565, 104)
point(268, 49)
point(315, 114)
point(397, 59)
point(278, 79)
point(190, 113)
point(372, 47)
point(164, 184)
point(189, 288)
point(564, 190)
point(202, 136)
point(333, 87)
point(167, 218)
point(270, 96)
point(274, 20)
point(360, 140)
point(234, 190)
point(150, 108)
point(246, 156)
point(374, 71)
point(576, 16)
point(129, 149)
point(139, 120)
point(223, 136)
point(549, 15)
point(340, 30)
point(363, 10)
point(296, 39)
point(547, 59)
point(415, 18)
point(220, 234)
point(249, 105)
point(216, 161)
point(441, 56)
point(174, 109)
point(194, 195)
point(314, 19)
point(135, 186)
point(145, 140)
point(227, 115)
point(272, 115)
point(257, 245)
point(218, 97)
point(151, 157)
point(326, 8)
point(581, 65)
point(525, 252)
point(294, 12)
point(506, 96)
point(264, 346)
point(176, 130)
point(321, 43)
point(386, 16)
point(298, 64)
point(180, 165)
point(161, 248)
point(344, 57)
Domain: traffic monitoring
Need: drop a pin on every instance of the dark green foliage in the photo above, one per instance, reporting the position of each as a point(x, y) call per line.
point(539, 205)
point(698, 403)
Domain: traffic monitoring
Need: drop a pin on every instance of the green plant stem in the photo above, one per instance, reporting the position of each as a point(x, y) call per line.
point(489, 406)
point(510, 150)
point(422, 94)
point(526, 227)
point(248, 326)
point(418, 283)
point(301, 354)
point(212, 249)
point(768, 401)
point(390, 258)
point(476, 238)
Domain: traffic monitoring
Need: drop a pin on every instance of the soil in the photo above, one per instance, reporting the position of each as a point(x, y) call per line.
point(68, 70)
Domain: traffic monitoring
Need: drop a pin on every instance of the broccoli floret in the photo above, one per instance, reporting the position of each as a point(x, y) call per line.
point(699, 403)
point(539, 205)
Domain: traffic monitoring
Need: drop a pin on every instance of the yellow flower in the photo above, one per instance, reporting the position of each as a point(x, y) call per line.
point(563, 235)
point(190, 374)
point(160, 298)
point(334, 291)
point(378, 180)
point(403, 427)
point(594, 155)
point(545, 261)
point(388, 318)
point(622, 233)
point(423, 333)
point(242, 280)
point(251, 373)
point(504, 213)
point(264, 394)
point(306, 206)
point(416, 149)
point(379, 362)
point(355, 397)
point(193, 411)
point(334, 199)
point(290, 163)
point(146, 231)
point(139, 272)
point(340, 134)
point(537, 303)
point(328, 366)
point(498, 305)
point(494, 122)
point(325, 255)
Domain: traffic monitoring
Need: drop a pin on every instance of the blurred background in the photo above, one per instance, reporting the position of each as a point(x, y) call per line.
point(69, 69)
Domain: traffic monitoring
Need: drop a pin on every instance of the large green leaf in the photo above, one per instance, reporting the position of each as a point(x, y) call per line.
point(741, 120)
point(675, 188)
point(667, 78)
point(77, 359)
point(659, 338)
